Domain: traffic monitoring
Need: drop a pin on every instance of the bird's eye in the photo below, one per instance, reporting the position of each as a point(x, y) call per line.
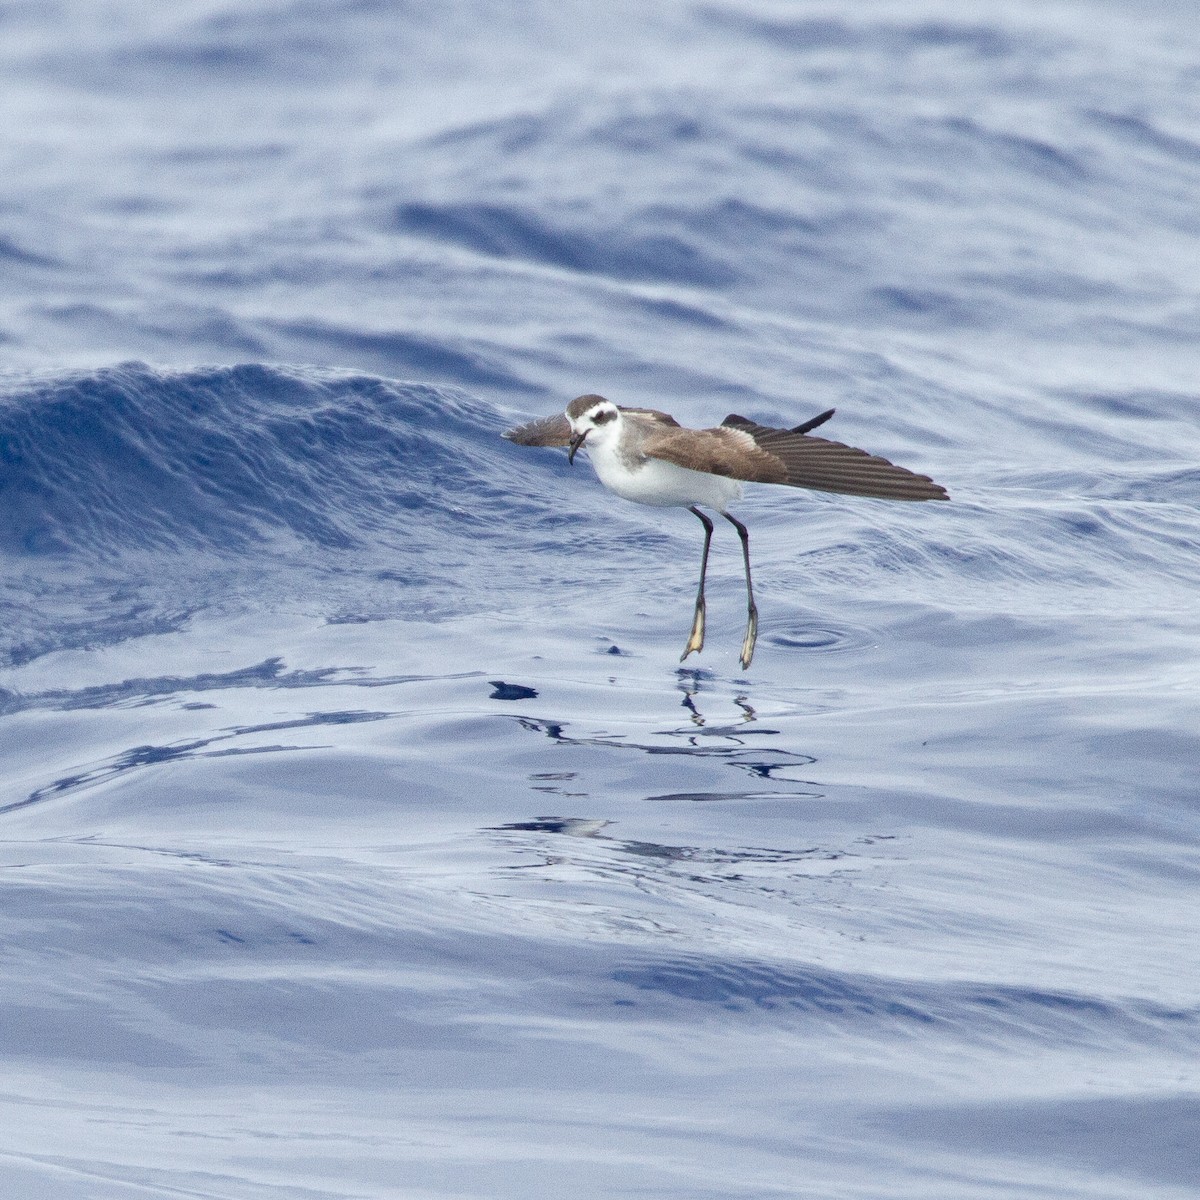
point(603, 416)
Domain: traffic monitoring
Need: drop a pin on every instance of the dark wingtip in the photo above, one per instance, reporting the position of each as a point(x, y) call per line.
point(737, 421)
point(815, 421)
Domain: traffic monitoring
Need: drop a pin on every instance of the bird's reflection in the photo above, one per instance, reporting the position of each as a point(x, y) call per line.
point(691, 684)
point(726, 742)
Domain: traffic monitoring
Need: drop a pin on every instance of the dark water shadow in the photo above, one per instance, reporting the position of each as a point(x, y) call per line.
point(151, 755)
point(593, 828)
point(967, 1009)
point(270, 673)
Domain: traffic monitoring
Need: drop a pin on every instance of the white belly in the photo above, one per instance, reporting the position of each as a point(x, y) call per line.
point(665, 485)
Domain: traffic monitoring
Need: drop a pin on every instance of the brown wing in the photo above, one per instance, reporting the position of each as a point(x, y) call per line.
point(549, 431)
point(659, 418)
point(720, 451)
point(813, 462)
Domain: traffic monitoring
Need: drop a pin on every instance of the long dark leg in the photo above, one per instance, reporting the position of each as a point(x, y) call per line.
point(751, 607)
point(696, 641)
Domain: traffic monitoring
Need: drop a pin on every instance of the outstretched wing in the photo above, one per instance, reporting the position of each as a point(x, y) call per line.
point(813, 462)
point(549, 431)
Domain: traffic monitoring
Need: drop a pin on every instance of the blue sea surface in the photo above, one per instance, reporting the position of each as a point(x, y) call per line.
point(362, 834)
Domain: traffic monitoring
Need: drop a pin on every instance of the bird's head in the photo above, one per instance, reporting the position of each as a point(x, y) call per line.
point(593, 419)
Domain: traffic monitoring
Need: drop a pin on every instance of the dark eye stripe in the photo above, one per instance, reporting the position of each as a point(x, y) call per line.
point(602, 417)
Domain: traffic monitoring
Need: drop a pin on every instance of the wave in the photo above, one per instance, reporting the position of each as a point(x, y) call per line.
point(134, 496)
point(133, 458)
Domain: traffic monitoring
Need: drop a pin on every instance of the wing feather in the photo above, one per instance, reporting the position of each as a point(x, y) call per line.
point(546, 431)
point(825, 466)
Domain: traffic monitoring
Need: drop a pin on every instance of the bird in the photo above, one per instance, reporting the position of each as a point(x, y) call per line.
point(646, 456)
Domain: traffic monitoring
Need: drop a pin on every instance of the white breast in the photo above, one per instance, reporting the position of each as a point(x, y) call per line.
point(662, 484)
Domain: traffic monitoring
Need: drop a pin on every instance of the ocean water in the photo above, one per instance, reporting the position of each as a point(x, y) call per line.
point(362, 834)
